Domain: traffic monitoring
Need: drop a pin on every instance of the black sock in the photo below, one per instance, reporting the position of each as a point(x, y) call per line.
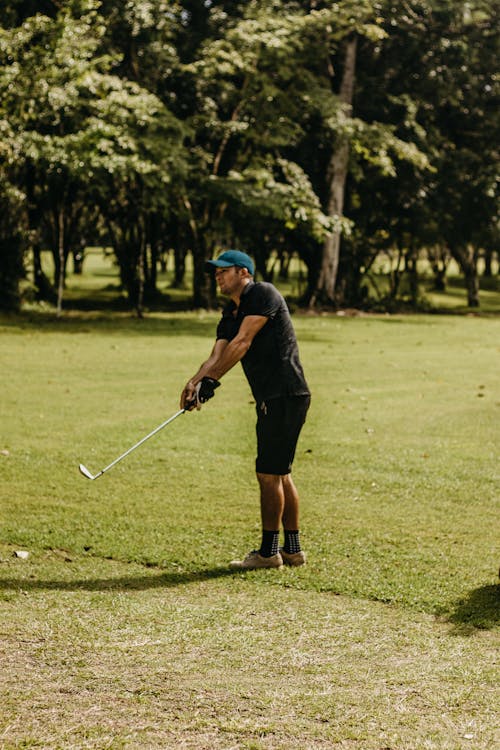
point(292, 542)
point(270, 543)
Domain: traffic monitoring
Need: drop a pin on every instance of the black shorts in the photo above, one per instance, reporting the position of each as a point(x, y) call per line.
point(279, 422)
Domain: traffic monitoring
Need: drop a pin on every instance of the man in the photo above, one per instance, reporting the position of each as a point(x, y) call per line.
point(256, 329)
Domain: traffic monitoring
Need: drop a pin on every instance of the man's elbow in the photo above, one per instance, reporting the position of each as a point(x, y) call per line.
point(243, 343)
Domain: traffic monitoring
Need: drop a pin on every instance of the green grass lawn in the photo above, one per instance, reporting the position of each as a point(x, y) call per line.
point(124, 628)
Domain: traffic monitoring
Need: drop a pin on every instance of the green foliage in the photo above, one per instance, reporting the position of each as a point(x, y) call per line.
point(434, 98)
point(265, 104)
point(279, 192)
point(193, 125)
point(82, 131)
point(73, 113)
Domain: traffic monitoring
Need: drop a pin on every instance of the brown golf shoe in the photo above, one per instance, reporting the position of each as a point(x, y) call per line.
point(255, 560)
point(294, 559)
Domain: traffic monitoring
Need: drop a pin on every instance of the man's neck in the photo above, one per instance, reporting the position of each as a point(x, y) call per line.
point(237, 295)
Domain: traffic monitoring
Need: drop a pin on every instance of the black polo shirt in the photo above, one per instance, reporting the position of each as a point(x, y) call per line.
point(271, 365)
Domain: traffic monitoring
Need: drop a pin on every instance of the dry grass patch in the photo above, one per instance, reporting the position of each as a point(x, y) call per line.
point(88, 661)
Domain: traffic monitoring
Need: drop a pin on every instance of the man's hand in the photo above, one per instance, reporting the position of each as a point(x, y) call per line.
point(205, 390)
point(193, 396)
point(189, 398)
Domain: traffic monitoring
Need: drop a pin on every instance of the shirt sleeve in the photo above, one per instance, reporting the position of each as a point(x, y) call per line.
point(224, 329)
point(264, 300)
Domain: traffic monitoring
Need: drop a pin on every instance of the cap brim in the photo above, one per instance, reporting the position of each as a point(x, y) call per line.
point(211, 264)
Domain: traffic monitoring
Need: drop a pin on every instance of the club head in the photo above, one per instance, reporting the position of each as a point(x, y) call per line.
point(85, 472)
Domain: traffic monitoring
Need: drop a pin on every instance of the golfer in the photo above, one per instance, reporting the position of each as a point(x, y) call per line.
point(256, 329)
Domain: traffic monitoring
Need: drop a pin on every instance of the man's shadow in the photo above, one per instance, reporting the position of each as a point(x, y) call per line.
point(162, 579)
point(480, 609)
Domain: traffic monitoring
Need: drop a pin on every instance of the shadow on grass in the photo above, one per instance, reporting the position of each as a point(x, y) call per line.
point(191, 323)
point(480, 610)
point(123, 583)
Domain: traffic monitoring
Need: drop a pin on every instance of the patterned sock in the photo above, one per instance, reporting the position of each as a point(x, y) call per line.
point(270, 543)
point(292, 542)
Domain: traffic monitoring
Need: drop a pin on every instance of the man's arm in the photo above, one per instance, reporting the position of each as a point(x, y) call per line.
point(224, 356)
point(188, 395)
point(236, 349)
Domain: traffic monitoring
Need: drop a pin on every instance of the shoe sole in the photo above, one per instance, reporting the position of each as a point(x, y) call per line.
point(248, 562)
point(235, 566)
point(292, 563)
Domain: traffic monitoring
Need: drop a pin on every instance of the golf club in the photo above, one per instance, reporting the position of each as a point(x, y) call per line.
point(86, 473)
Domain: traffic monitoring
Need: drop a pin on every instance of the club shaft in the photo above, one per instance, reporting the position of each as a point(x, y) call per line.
point(153, 432)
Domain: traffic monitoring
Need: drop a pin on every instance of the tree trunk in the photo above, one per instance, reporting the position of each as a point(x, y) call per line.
point(284, 265)
point(412, 269)
point(203, 289)
point(488, 265)
point(395, 274)
point(44, 289)
point(467, 258)
point(154, 246)
point(141, 269)
point(337, 176)
point(152, 277)
point(78, 258)
point(472, 287)
point(179, 266)
point(438, 258)
point(61, 258)
point(203, 293)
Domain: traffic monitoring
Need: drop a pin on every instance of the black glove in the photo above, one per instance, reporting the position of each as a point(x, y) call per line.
point(206, 388)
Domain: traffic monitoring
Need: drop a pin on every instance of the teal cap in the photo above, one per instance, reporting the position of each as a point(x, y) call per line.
point(231, 258)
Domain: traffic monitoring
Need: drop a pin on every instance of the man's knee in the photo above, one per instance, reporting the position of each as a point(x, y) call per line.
point(267, 480)
point(271, 479)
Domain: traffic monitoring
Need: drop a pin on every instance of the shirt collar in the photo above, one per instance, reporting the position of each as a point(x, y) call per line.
point(231, 305)
point(247, 288)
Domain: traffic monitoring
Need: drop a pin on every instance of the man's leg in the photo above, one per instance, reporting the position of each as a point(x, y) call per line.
point(279, 422)
point(272, 500)
point(291, 552)
point(272, 503)
point(280, 503)
point(291, 504)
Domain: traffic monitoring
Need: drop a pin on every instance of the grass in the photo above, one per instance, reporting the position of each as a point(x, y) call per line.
point(124, 628)
point(105, 654)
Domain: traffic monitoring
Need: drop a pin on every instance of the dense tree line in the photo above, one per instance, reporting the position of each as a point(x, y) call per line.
point(339, 132)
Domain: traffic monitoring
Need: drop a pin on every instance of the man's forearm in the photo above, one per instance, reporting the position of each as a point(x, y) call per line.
point(232, 354)
point(202, 372)
point(204, 369)
point(225, 355)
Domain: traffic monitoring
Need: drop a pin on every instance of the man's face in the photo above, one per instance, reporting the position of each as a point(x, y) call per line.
point(229, 279)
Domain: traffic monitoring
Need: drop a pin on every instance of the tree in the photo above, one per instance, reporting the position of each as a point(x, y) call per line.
point(318, 128)
point(12, 244)
point(336, 181)
point(253, 89)
point(466, 191)
point(141, 37)
point(441, 98)
point(84, 133)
